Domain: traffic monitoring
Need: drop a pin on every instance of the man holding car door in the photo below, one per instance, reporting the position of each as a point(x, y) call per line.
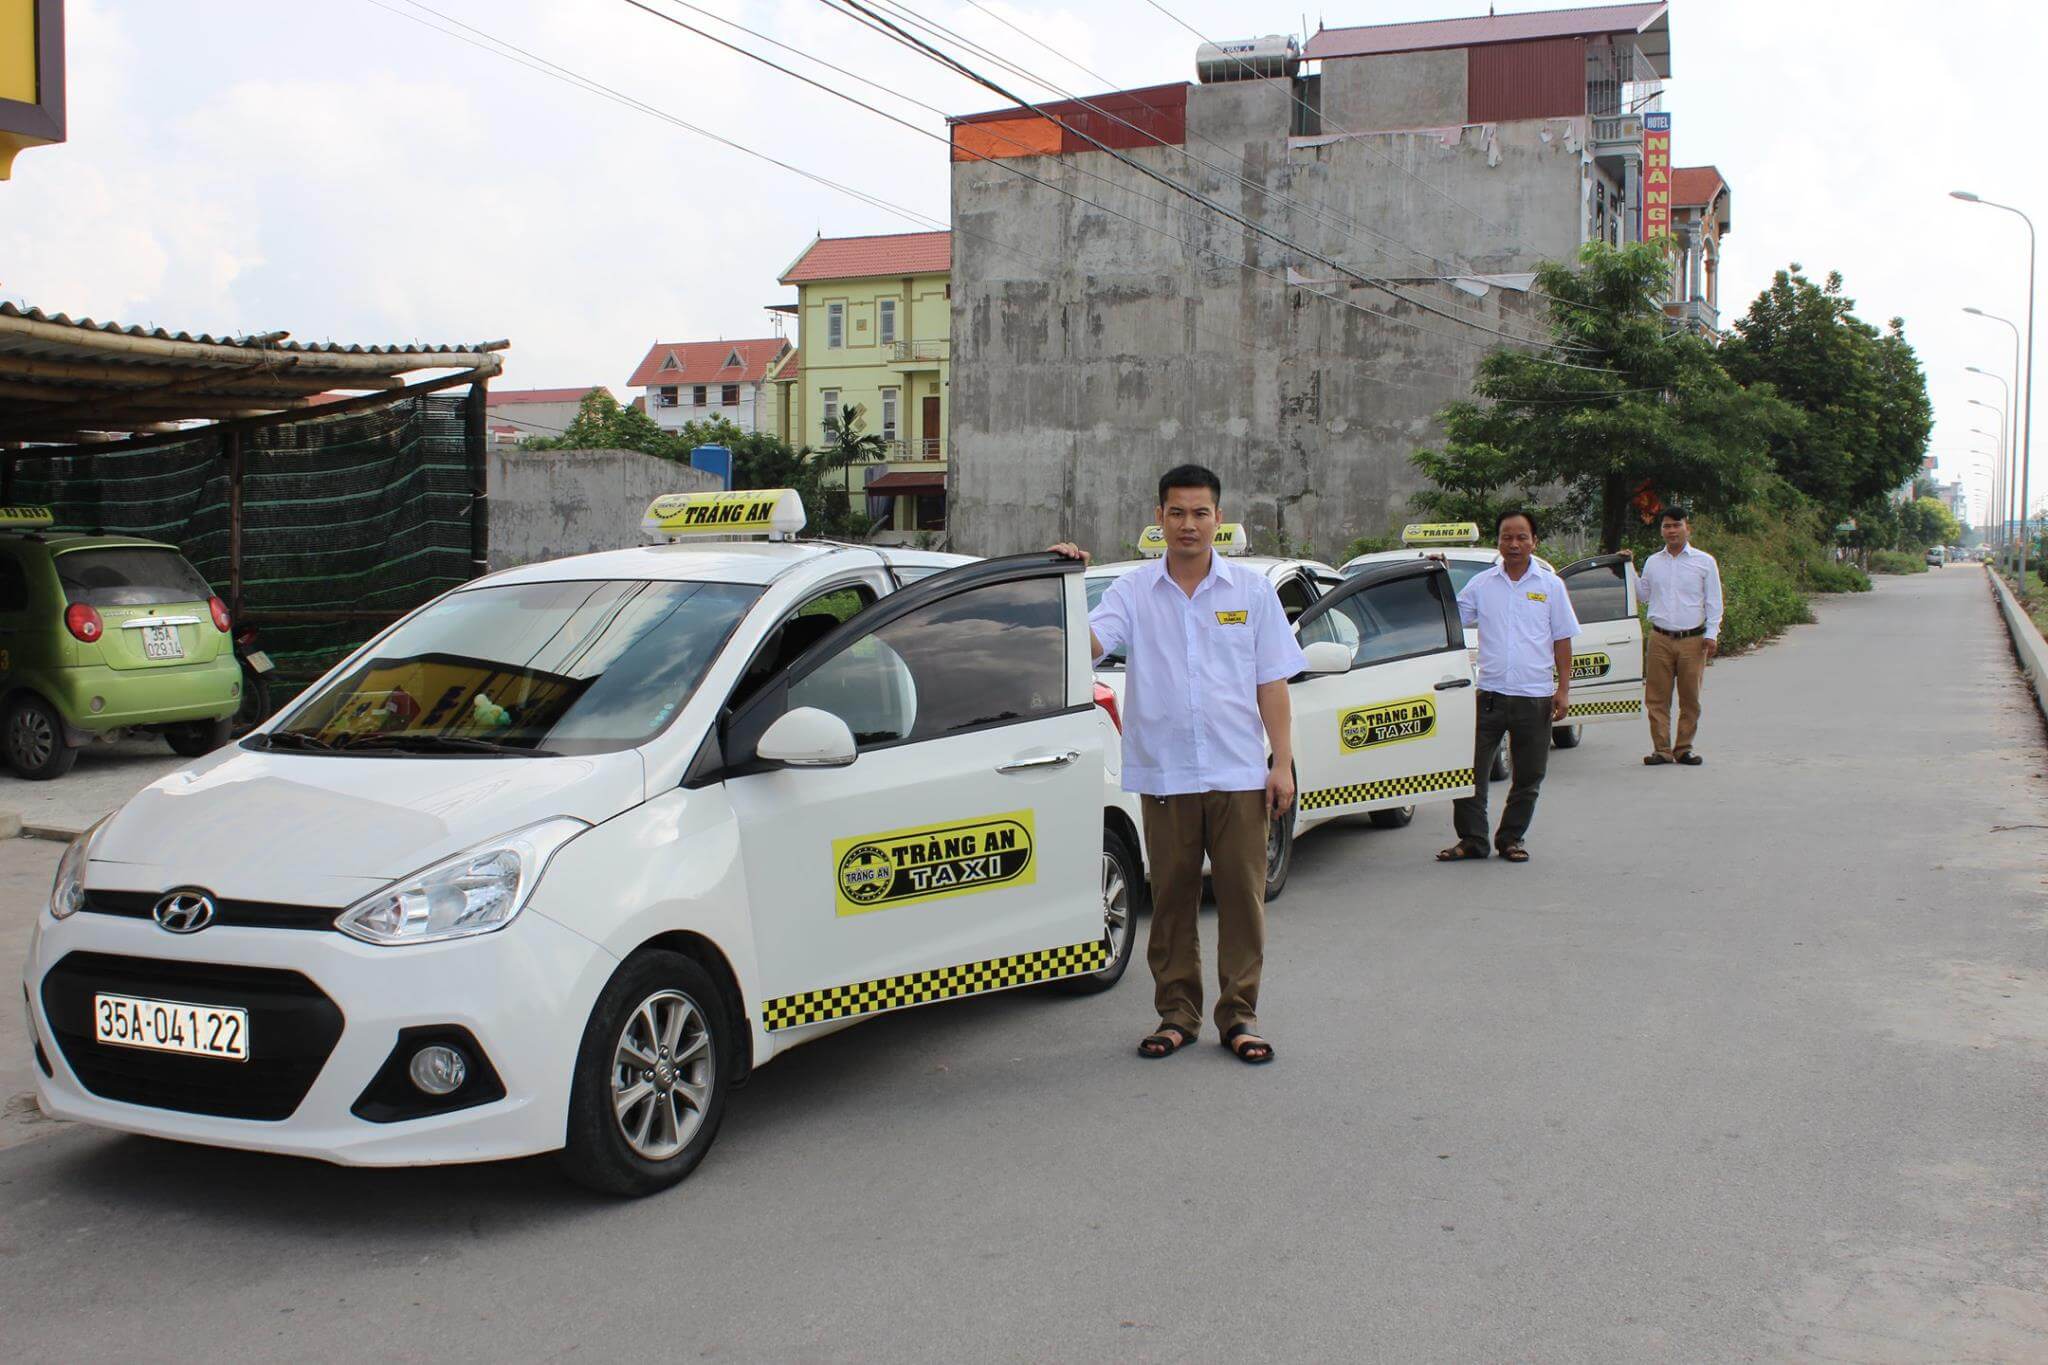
point(1208, 654)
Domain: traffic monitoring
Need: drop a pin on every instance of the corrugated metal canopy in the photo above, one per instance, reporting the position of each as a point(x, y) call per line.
point(71, 382)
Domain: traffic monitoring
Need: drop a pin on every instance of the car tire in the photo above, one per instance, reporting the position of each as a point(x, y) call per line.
point(34, 740)
point(1397, 818)
point(1499, 771)
point(200, 736)
point(1280, 851)
point(1123, 892)
point(1566, 736)
point(661, 1006)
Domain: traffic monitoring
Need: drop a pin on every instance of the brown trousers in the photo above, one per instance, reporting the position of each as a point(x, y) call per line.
point(1231, 828)
point(1684, 662)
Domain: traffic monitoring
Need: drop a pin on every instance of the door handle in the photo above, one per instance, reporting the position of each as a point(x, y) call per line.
point(1619, 639)
point(1448, 684)
point(1028, 765)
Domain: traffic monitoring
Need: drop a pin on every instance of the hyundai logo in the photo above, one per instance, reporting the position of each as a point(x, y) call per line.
point(184, 912)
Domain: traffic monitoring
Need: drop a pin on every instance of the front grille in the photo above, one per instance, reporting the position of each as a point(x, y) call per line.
point(293, 1027)
point(245, 914)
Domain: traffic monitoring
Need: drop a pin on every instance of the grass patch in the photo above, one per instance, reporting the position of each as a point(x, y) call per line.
point(1773, 554)
point(1896, 561)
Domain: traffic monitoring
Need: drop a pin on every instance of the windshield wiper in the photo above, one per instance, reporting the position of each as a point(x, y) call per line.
point(290, 739)
point(441, 744)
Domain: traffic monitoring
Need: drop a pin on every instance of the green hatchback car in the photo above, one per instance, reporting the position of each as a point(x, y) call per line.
point(103, 635)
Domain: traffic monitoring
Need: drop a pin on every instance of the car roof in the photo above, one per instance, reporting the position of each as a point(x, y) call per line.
point(61, 542)
point(1270, 565)
point(704, 561)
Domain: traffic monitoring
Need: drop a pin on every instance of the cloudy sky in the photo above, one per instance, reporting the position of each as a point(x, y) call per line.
point(341, 169)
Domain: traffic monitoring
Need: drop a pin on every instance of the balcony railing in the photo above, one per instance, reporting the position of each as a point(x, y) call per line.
point(1618, 133)
point(907, 451)
point(906, 351)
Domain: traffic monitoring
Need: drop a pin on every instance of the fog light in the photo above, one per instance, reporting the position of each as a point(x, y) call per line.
point(438, 1070)
point(98, 704)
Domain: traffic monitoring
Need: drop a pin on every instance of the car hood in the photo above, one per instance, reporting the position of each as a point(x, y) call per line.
point(310, 829)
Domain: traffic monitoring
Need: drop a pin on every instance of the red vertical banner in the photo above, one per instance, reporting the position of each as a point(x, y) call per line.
point(1656, 176)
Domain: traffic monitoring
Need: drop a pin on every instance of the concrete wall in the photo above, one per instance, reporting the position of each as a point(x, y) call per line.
point(1090, 354)
point(1401, 90)
point(547, 504)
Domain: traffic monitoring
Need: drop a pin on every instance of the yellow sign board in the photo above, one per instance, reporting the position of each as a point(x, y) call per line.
point(754, 511)
point(26, 518)
point(1440, 533)
point(1230, 539)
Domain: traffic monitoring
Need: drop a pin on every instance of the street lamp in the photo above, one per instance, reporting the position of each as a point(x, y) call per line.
point(2003, 412)
point(2027, 407)
point(2006, 481)
point(1978, 402)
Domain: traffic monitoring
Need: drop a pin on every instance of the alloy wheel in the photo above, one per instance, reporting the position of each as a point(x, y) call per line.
point(1116, 907)
point(31, 738)
point(662, 1072)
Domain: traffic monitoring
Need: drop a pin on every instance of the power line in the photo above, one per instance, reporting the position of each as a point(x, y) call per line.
point(855, 9)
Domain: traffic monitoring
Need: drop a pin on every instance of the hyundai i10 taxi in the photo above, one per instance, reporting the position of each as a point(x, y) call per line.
point(1607, 653)
point(557, 859)
point(1384, 716)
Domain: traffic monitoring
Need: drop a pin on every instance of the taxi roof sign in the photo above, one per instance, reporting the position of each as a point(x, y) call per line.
point(777, 513)
point(1230, 539)
point(26, 518)
point(1440, 533)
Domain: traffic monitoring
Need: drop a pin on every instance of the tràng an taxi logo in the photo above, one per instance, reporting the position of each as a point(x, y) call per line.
point(1229, 618)
point(1591, 666)
point(726, 511)
point(1389, 722)
point(880, 871)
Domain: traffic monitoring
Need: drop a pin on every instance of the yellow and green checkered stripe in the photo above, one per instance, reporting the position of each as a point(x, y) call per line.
point(1604, 708)
point(941, 983)
point(1415, 784)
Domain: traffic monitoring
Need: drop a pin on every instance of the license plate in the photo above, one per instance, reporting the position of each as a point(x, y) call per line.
point(171, 1026)
point(161, 642)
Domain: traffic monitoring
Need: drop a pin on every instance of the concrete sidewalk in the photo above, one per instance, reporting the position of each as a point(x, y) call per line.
point(106, 776)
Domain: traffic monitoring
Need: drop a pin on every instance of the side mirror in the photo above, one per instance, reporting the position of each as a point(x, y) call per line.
point(808, 738)
point(1326, 657)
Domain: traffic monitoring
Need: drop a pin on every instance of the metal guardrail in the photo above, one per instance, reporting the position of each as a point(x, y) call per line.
point(933, 349)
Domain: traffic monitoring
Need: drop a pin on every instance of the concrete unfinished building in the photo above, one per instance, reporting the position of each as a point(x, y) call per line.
point(1106, 327)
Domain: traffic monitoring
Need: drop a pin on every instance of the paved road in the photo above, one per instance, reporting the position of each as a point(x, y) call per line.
point(1748, 1064)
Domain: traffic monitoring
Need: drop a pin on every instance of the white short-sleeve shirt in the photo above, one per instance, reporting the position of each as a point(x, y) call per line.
point(1519, 621)
point(1193, 667)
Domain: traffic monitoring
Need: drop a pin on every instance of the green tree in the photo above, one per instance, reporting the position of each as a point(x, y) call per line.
point(1864, 411)
point(1634, 411)
point(1927, 521)
point(764, 461)
point(603, 423)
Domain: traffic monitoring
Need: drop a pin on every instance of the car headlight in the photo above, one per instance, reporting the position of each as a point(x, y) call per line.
point(474, 892)
point(67, 892)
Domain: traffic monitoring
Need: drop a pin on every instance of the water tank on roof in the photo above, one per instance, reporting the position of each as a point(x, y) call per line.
point(1247, 59)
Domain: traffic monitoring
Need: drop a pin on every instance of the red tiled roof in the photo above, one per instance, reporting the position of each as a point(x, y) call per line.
point(1695, 185)
point(861, 258)
point(500, 398)
point(1375, 39)
point(703, 362)
point(792, 369)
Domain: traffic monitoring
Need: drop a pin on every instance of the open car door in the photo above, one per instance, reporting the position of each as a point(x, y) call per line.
point(953, 845)
point(1397, 729)
point(1607, 653)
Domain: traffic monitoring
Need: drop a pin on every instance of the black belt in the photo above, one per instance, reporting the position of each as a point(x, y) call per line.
point(1680, 634)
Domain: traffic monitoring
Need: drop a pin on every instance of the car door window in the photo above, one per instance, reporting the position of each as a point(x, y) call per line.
point(13, 584)
point(1295, 595)
point(985, 656)
point(1599, 592)
point(808, 624)
point(1392, 620)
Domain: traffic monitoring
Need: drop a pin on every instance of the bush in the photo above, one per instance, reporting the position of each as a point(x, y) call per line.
point(1762, 598)
point(1368, 545)
point(1896, 561)
point(1823, 574)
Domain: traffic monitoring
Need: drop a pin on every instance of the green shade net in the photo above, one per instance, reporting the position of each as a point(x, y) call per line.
point(368, 512)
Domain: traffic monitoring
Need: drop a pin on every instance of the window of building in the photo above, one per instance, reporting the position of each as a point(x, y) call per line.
point(665, 396)
point(888, 414)
point(985, 656)
point(835, 325)
point(697, 396)
point(888, 320)
point(728, 395)
point(669, 362)
point(829, 401)
point(732, 361)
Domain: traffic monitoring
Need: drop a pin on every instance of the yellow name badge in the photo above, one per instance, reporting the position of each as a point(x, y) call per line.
point(1539, 597)
point(882, 871)
point(1229, 618)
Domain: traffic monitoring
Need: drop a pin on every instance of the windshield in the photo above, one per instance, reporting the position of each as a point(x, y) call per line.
point(129, 576)
point(1097, 585)
point(557, 668)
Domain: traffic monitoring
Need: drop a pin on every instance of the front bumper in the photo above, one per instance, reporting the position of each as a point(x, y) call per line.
point(524, 993)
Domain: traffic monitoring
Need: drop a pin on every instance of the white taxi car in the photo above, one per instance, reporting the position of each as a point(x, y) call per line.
point(554, 861)
point(1607, 654)
point(1384, 717)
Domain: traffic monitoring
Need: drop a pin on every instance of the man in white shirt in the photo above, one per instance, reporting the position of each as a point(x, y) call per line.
point(1526, 625)
point(1681, 585)
point(1208, 652)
